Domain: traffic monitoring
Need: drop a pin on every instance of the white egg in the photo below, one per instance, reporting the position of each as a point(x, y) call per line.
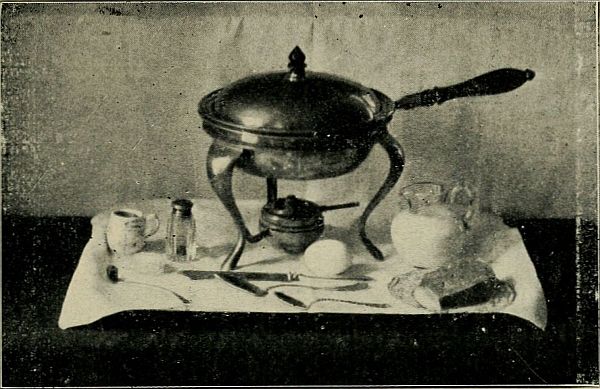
point(327, 258)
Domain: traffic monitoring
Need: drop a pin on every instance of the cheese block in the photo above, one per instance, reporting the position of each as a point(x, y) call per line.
point(473, 278)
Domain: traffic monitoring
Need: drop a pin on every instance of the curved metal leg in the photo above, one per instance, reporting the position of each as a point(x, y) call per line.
point(396, 156)
point(219, 166)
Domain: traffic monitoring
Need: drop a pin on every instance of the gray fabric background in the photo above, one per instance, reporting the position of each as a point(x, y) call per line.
point(100, 100)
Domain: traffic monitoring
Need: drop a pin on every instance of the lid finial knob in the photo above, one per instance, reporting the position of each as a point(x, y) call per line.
point(296, 64)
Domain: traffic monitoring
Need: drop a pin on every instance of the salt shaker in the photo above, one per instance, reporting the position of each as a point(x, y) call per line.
point(181, 232)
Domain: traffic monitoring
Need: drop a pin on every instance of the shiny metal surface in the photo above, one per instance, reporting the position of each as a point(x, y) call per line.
point(300, 125)
point(295, 109)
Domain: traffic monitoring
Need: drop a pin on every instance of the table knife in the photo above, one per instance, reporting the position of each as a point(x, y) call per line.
point(241, 283)
point(262, 276)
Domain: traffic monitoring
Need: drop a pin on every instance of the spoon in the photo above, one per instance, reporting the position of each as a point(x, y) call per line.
point(297, 303)
point(342, 288)
point(112, 273)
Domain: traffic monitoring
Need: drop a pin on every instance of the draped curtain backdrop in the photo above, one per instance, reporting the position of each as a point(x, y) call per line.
point(99, 100)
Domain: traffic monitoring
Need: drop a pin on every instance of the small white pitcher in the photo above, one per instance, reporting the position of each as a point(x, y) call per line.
point(432, 229)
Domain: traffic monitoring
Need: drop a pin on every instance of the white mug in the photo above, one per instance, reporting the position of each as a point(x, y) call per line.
point(128, 229)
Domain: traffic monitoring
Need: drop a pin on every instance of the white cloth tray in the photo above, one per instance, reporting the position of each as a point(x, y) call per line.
point(91, 296)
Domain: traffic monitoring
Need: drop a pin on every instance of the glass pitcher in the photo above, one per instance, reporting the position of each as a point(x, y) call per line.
point(431, 229)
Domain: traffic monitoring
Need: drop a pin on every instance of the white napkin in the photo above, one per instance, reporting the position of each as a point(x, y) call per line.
point(91, 296)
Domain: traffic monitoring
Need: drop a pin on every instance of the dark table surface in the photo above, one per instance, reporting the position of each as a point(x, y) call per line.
point(39, 256)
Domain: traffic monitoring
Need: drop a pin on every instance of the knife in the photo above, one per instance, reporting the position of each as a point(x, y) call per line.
point(241, 283)
point(290, 300)
point(261, 276)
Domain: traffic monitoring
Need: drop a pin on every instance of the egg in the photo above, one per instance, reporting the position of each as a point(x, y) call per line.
point(327, 258)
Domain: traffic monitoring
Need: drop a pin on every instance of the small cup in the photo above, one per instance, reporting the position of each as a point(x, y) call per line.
point(128, 229)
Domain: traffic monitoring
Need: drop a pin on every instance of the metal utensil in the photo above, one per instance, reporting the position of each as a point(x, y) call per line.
point(262, 276)
point(342, 288)
point(290, 300)
point(112, 272)
point(240, 282)
point(297, 303)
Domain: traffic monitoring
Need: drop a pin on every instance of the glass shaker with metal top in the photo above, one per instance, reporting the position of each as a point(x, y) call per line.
point(181, 232)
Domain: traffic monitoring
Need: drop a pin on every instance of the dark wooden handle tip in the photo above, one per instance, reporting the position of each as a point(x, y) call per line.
point(491, 83)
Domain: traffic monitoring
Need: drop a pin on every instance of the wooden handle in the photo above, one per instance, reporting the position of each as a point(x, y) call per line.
point(492, 83)
point(325, 208)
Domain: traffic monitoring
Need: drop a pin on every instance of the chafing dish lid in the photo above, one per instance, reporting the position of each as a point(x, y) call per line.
point(296, 103)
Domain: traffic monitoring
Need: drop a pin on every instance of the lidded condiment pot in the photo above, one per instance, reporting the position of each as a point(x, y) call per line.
point(293, 224)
